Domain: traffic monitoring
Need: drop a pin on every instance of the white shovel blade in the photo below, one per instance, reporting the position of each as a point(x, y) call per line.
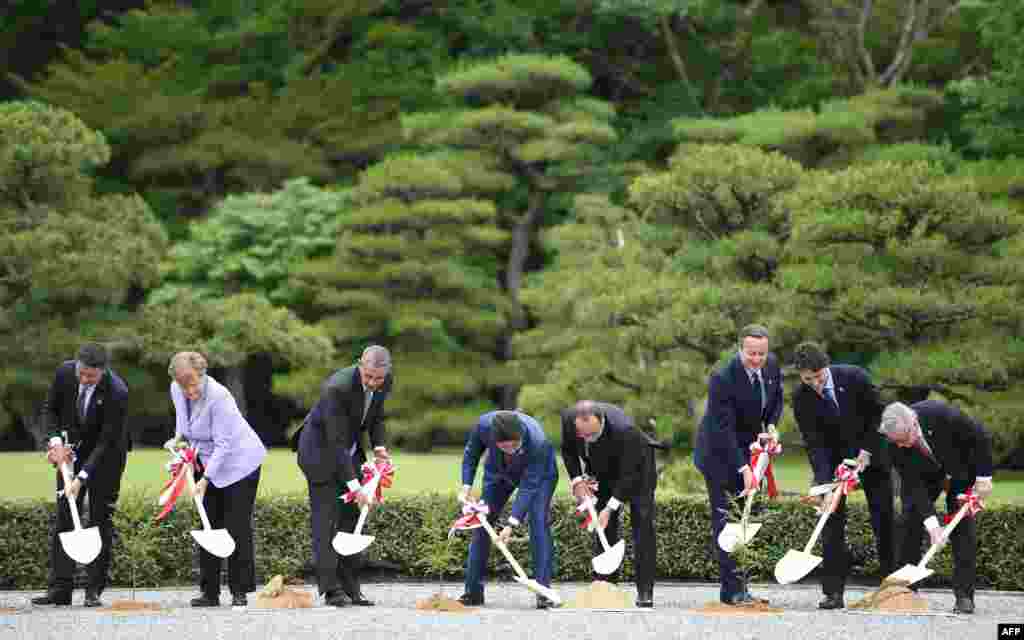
point(821, 489)
point(795, 565)
point(540, 589)
point(82, 545)
point(217, 541)
point(610, 560)
point(349, 544)
point(736, 535)
point(908, 575)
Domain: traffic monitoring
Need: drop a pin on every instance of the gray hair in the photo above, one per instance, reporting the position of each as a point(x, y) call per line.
point(376, 357)
point(187, 360)
point(898, 419)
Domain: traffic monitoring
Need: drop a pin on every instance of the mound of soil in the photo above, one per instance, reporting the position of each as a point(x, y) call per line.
point(601, 595)
point(285, 599)
point(133, 606)
point(891, 598)
point(754, 608)
point(441, 602)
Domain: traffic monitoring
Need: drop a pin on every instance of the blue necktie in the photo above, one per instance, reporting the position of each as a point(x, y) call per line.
point(831, 397)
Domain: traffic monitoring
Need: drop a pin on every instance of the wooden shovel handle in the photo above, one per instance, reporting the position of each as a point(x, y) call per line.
point(948, 529)
point(837, 493)
point(501, 546)
point(597, 525)
point(65, 471)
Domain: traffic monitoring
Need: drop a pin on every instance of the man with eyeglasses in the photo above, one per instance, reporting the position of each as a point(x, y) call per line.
point(519, 456)
point(84, 414)
point(330, 451)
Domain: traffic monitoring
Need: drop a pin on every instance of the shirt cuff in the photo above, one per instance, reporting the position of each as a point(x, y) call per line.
point(575, 481)
point(513, 521)
point(380, 448)
point(743, 468)
point(353, 485)
point(931, 523)
point(83, 475)
point(987, 478)
point(613, 504)
point(54, 441)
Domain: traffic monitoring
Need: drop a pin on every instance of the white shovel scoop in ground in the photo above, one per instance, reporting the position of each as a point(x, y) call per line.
point(520, 576)
point(796, 564)
point(81, 545)
point(349, 544)
point(912, 573)
point(737, 534)
point(610, 559)
point(217, 541)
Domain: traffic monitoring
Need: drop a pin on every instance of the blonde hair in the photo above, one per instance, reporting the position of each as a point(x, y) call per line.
point(187, 360)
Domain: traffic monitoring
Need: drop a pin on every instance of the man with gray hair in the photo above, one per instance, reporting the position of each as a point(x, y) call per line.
point(936, 441)
point(84, 414)
point(330, 452)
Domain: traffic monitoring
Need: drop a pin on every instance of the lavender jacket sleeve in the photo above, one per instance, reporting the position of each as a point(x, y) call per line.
point(228, 447)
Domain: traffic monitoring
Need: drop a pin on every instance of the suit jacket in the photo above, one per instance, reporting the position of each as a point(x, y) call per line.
point(620, 458)
point(831, 436)
point(734, 417)
point(961, 448)
point(229, 449)
point(528, 469)
point(102, 436)
point(335, 425)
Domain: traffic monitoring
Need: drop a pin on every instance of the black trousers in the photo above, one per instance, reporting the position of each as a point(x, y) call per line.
point(642, 511)
point(835, 566)
point(720, 492)
point(964, 538)
point(327, 516)
point(231, 508)
point(102, 488)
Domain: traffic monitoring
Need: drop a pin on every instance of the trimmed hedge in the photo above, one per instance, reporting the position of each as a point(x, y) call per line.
point(410, 530)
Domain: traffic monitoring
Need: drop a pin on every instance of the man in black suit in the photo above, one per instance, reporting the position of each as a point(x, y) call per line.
point(838, 411)
point(744, 399)
point(87, 401)
point(936, 441)
point(330, 448)
point(599, 439)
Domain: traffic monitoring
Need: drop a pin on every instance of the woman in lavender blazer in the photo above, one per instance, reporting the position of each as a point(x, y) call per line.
point(230, 454)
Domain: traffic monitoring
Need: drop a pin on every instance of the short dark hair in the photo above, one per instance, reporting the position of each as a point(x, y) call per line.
point(586, 409)
point(753, 331)
point(93, 355)
point(809, 356)
point(507, 426)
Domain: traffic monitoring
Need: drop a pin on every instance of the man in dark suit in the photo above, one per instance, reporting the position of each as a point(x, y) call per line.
point(519, 458)
point(936, 441)
point(330, 448)
point(87, 400)
point(599, 439)
point(744, 399)
point(838, 411)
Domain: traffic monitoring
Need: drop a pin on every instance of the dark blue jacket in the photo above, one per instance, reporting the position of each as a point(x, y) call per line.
point(528, 469)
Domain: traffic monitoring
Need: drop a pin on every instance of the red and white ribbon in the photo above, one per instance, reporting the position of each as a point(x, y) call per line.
point(470, 518)
point(847, 478)
point(181, 463)
point(583, 512)
point(973, 502)
point(369, 469)
point(772, 449)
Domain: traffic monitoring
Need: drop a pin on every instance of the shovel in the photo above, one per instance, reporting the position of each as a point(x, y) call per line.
point(217, 541)
point(349, 544)
point(520, 576)
point(609, 560)
point(796, 564)
point(912, 573)
point(81, 545)
point(737, 534)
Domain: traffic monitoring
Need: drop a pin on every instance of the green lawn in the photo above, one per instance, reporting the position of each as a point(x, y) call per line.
point(27, 475)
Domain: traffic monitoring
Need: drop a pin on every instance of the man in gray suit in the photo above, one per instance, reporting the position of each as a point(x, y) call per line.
point(330, 448)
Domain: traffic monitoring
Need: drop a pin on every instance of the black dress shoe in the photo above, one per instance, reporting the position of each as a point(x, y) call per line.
point(645, 599)
point(360, 600)
point(832, 601)
point(92, 599)
point(544, 603)
point(472, 599)
point(335, 599)
point(964, 604)
point(239, 600)
point(744, 598)
point(205, 601)
point(53, 597)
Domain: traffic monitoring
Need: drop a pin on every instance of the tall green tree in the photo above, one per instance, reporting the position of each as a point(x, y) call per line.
point(73, 264)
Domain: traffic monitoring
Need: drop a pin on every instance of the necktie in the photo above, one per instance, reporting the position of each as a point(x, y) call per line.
point(831, 397)
point(83, 397)
point(758, 388)
point(366, 405)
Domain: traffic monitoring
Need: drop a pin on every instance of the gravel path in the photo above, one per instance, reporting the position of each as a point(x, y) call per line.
point(508, 614)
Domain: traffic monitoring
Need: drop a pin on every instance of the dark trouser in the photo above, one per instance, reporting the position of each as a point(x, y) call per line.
point(835, 567)
point(641, 510)
point(964, 537)
point(719, 493)
point(231, 508)
point(327, 516)
point(102, 488)
point(542, 546)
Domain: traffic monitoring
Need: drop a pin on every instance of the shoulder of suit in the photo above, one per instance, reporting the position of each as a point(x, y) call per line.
point(117, 383)
point(215, 390)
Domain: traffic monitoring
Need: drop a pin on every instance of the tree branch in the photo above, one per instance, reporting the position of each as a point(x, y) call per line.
point(866, 61)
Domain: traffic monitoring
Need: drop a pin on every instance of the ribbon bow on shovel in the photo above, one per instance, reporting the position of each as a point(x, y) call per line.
point(181, 460)
point(762, 451)
point(376, 476)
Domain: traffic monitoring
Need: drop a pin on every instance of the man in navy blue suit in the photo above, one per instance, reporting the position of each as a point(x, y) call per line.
point(519, 455)
point(744, 399)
